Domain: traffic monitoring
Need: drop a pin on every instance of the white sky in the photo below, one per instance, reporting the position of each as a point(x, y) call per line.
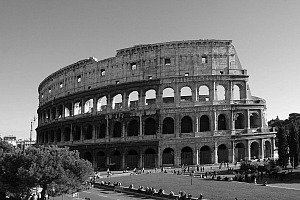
point(38, 37)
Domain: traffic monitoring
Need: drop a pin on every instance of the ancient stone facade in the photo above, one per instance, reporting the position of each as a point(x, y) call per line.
point(164, 104)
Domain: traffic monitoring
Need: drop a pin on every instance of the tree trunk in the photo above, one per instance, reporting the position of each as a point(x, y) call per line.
point(43, 193)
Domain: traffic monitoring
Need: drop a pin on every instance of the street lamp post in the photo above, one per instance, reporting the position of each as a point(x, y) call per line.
point(31, 124)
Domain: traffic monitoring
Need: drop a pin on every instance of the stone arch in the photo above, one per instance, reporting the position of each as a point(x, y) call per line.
point(116, 159)
point(205, 155)
point(60, 111)
point(88, 156)
point(149, 158)
point(88, 105)
point(254, 149)
point(102, 131)
point(236, 92)
point(204, 123)
point(168, 95)
point(52, 136)
point(58, 135)
point(77, 108)
point(150, 126)
point(67, 134)
point(222, 153)
point(53, 113)
point(117, 129)
point(239, 122)
point(168, 126)
point(133, 99)
point(133, 128)
point(101, 160)
point(88, 132)
point(186, 125)
point(68, 109)
point(254, 120)
point(76, 133)
point(168, 156)
point(187, 156)
point(186, 93)
point(132, 159)
point(221, 122)
point(102, 103)
point(240, 151)
point(117, 101)
point(221, 93)
point(268, 149)
point(150, 97)
point(203, 93)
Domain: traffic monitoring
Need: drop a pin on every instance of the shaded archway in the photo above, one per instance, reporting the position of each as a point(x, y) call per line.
point(88, 156)
point(149, 158)
point(254, 120)
point(254, 150)
point(132, 159)
point(150, 126)
point(168, 125)
point(88, 132)
point(168, 157)
point(222, 153)
point(268, 150)
point(239, 121)
point(117, 130)
point(101, 160)
point(205, 155)
point(239, 152)
point(186, 94)
point(204, 123)
point(187, 156)
point(116, 159)
point(186, 125)
point(76, 133)
point(221, 122)
point(102, 131)
point(67, 133)
point(133, 128)
point(168, 95)
point(58, 135)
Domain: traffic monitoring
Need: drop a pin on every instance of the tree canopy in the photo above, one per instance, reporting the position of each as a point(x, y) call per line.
point(48, 167)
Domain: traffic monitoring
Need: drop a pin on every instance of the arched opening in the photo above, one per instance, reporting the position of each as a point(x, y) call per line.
point(132, 159)
point(150, 97)
point(236, 92)
point(268, 150)
point(102, 103)
point(150, 126)
point(51, 136)
point(53, 113)
point(58, 135)
point(205, 155)
point(186, 94)
point(88, 156)
point(187, 156)
point(221, 122)
point(149, 158)
point(102, 131)
point(254, 150)
point(222, 153)
point(239, 121)
point(88, 106)
point(186, 125)
point(168, 157)
point(204, 123)
point(117, 131)
point(101, 160)
point(88, 132)
point(117, 102)
point(76, 133)
point(67, 133)
point(133, 128)
point(68, 109)
point(220, 93)
point(77, 108)
point(168, 95)
point(239, 152)
point(133, 100)
point(116, 159)
point(254, 120)
point(60, 111)
point(168, 125)
point(203, 93)
point(46, 137)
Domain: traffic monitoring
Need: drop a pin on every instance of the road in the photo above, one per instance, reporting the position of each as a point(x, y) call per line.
point(100, 194)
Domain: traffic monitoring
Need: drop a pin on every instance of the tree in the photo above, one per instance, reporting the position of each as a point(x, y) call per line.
point(293, 130)
point(47, 167)
point(282, 144)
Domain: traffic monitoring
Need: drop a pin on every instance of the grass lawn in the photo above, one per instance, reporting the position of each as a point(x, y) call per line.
point(211, 189)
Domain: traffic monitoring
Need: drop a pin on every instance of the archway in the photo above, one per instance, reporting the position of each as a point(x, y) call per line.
point(132, 159)
point(268, 150)
point(222, 153)
point(149, 158)
point(205, 155)
point(204, 123)
point(116, 159)
point(117, 131)
point(239, 152)
point(150, 126)
point(133, 128)
point(254, 150)
point(187, 156)
point(221, 122)
point(186, 125)
point(168, 125)
point(88, 156)
point(239, 121)
point(101, 160)
point(168, 157)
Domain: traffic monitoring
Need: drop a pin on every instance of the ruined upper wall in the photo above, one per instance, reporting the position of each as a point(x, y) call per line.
point(144, 62)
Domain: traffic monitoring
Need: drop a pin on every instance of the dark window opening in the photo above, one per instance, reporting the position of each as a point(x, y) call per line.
point(167, 61)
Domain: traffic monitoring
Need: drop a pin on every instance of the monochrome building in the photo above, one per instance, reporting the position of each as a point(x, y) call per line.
point(153, 105)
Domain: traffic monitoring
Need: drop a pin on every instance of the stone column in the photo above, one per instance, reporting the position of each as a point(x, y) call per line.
point(197, 156)
point(215, 124)
point(262, 149)
point(216, 153)
point(231, 152)
point(248, 150)
point(141, 158)
point(158, 162)
point(123, 164)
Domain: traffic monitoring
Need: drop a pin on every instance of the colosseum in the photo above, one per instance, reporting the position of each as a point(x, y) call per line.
point(153, 105)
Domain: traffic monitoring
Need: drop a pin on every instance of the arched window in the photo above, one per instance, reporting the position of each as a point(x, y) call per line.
point(222, 153)
point(187, 156)
point(133, 99)
point(150, 97)
point(239, 151)
point(168, 125)
point(88, 156)
point(117, 102)
point(60, 111)
point(220, 93)
point(76, 133)
point(149, 158)
point(133, 128)
point(102, 104)
point(186, 94)
point(150, 126)
point(205, 155)
point(77, 108)
point(254, 150)
point(168, 156)
point(204, 123)
point(221, 122)
point(117, 131)
point(88, 106)
point(88, 132)
point(239, 121)
point(254, 120)
point(68, 110)
point(102, 131)
point(186, 125)
point(203, 93)
point(58, 135)
point(168, 95)
point(236, 92)
point(67, 132)
point(101, 160)
point(132, 159)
